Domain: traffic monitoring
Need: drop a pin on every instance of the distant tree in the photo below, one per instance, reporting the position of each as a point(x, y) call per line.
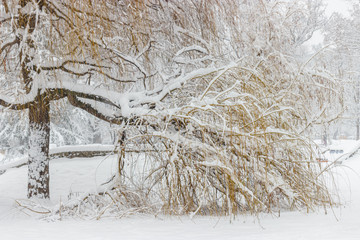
point(342, 36)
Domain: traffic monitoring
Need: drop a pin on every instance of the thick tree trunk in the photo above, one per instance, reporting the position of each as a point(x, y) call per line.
point(38, 165)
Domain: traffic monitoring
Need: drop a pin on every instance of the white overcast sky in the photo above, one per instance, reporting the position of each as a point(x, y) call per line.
point(341, 6)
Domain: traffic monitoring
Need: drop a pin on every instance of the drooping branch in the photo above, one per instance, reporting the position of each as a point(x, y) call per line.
point(73, 100)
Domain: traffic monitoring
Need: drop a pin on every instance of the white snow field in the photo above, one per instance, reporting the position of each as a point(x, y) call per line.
point(78, 175)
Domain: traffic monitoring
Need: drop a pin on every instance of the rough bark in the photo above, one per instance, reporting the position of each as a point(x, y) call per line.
point(38, 165)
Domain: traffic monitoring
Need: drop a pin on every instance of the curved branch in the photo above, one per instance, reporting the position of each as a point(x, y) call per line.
point(9, 44)
point(73, 100)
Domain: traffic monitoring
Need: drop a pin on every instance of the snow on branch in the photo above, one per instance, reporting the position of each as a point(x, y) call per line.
point(191, 48)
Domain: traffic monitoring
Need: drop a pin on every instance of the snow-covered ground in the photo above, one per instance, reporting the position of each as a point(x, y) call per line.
point(78, 175)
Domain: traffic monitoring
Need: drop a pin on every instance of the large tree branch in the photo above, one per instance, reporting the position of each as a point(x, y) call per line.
point(59, 93)
point(73, 100)
point(29, 99)
point(123, 101)
point(13, 106)
point(93, 97)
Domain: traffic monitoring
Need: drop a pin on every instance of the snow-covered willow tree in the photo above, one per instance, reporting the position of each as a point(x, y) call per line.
point(212, 87)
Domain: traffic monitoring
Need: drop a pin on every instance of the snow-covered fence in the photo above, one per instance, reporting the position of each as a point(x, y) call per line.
point(83, 151)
